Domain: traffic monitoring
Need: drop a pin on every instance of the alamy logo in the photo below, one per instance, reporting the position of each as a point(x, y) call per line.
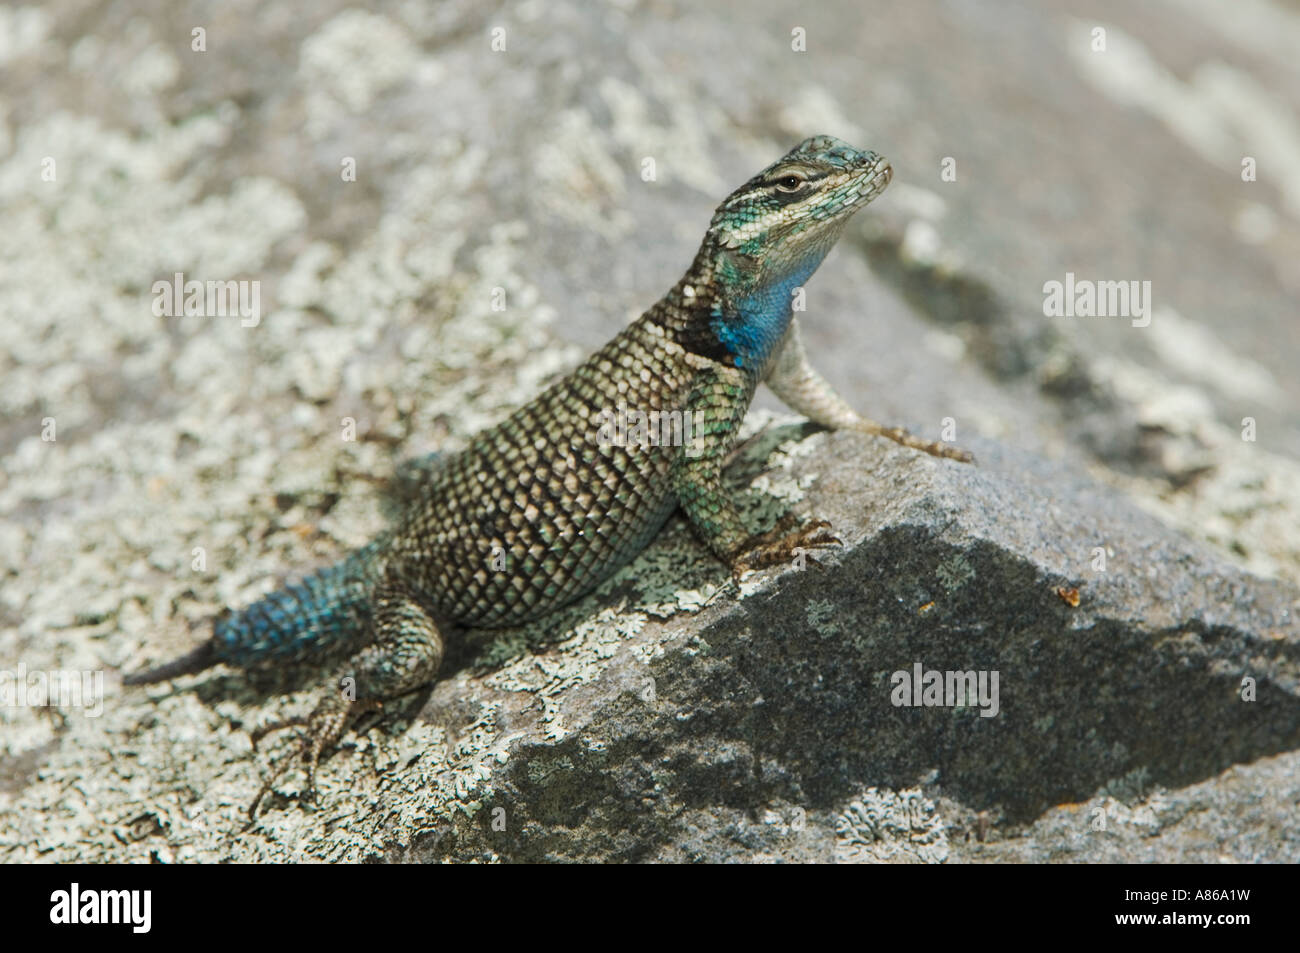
point(1098, 299)
point(620, 427)
point(103, 906)
point(56, 689)
point(213, 299)
point(922, 688)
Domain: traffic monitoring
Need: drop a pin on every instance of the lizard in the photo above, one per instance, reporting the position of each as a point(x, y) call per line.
point(539, 509)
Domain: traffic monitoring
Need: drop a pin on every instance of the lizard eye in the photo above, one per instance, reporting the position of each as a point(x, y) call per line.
point(790, 182)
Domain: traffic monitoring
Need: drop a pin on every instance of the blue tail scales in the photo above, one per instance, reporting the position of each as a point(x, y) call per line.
point(327, 611)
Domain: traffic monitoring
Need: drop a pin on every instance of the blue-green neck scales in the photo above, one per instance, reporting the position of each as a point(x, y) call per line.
point(542, 508)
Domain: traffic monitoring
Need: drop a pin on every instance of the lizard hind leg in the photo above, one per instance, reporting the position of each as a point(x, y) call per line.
point(405, 655)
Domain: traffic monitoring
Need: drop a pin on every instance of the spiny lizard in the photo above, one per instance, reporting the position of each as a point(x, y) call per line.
point(544, 506)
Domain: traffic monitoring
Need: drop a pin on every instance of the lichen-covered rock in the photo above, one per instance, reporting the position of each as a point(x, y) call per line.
point(891, 827)
point(669, 717)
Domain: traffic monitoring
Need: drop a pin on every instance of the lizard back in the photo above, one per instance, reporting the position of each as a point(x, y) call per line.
point(544, 506)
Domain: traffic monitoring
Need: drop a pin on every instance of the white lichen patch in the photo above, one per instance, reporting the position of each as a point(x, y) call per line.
point(884, 826)
point(654, 134)
point(675, 575)
point(1133, 788)
point(576, 660)
point(22, 30)
point(823, 618)
point(152, 71)
point(954, 572)
point(1148, 816)
point(348, 62)
point(681, 143)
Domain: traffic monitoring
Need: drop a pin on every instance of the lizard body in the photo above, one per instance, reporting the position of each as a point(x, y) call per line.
point(543, 507)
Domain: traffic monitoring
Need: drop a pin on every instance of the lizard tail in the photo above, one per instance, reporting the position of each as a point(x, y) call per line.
point(202, 657)
point(330, 609)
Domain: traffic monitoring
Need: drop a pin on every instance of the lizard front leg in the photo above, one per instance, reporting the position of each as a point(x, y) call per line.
point(718, 402)
point(803, 390)
point(405, 655)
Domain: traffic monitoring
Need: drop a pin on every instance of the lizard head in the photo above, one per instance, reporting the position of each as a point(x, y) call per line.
point(781, 223)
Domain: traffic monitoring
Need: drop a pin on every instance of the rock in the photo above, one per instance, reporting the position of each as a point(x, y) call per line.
point(757, 728)
point(669, 717)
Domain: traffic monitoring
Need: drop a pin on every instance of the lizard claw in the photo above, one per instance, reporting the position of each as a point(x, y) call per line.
point(321, 732)
point(780, 543)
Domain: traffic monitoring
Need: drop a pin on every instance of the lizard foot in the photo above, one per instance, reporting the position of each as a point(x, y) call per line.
point(321, 732)
point(781, 543)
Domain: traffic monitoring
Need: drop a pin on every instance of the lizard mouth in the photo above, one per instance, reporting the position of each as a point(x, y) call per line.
point(865, 184)
point(873, 178)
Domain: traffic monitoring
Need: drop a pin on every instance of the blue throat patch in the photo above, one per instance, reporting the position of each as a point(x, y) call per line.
point(761, 319)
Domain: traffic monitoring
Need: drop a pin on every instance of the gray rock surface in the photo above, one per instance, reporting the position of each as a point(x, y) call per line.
point(197, 462)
